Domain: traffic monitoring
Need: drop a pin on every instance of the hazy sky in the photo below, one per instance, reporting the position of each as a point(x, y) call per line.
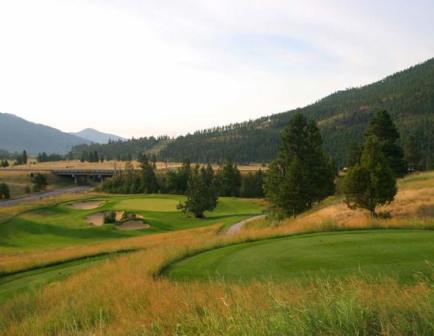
point(134, 67)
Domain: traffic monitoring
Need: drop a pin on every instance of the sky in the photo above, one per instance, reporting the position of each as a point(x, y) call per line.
point(141, 68)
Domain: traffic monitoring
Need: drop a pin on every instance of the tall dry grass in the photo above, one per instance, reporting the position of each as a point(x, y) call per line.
point(127, 296)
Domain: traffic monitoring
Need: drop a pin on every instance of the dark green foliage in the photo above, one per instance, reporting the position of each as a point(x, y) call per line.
point(126, 215)
point(5, 163)
point(342, 116)
point(251, 186)
point(44, 157)
point(382, 127)
point(39, 182)
point(200, 196)
point(5, 192)
point(27, 189)
point(24, 157)
point(372, 182)
point(109, 217)
point(354, 153)
point(302, 174)
point(149, 180)
point(177, 181)
point(412, 153)
point(228, 180)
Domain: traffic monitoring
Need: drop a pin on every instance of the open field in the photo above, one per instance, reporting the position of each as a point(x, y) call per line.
point(17, 182)
point(129, 295)
point(76, 164)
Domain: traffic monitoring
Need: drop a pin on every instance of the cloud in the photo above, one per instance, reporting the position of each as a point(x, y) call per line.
point(168, 67)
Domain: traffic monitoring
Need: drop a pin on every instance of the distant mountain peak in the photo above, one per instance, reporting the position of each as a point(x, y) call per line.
point(96, 136)
point(17, 134)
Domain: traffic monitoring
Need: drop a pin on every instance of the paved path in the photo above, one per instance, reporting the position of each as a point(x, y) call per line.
point(236, 228)
point(34, 198)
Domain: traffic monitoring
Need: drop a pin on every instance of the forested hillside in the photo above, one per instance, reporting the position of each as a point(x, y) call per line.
point(342, 116)
point(408, 96)
point(122, 150)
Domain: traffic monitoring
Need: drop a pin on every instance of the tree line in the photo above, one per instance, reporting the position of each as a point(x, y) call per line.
point(227, 181)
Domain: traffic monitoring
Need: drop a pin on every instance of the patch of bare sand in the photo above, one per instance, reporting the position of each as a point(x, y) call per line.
point(85, 205)
point(132, 225)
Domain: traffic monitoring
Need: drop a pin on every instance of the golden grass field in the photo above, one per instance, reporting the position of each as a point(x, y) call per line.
point(113, 164)
point(128, 297)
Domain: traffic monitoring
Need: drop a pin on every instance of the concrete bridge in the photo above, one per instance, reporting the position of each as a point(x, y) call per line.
point(80, 176)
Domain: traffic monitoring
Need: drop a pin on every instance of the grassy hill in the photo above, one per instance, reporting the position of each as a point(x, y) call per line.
point(17, 134)
point(342, 116)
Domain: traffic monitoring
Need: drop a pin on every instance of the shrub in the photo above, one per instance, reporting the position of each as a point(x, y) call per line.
point(110, 217)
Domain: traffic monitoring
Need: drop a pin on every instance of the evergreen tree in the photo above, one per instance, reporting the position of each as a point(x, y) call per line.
point(354, 153)
point(4, 191)
point(24, 157)
point(39, 182)
point(381, 126)
point(302, 174)
point(149, 180)
point(412, 154)
point(229, 180)
point(251, 186)
point(372, 182)
point(200, 196)
point(208, 175)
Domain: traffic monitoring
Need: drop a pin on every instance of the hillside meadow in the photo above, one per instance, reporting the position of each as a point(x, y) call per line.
point(130, 294)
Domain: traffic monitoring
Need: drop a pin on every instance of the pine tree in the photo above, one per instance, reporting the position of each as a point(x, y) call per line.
point(354, 153)
point(229, 180)
point(24, 157)
point(412, 154)
point(200, 196)
point(381, 126)
point(302, 174)
point(149, 180)
point(372, 182)
point(4, 191)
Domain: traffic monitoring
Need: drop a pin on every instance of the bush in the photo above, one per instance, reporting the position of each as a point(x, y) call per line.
point(128, 215)
point(27, 189)
point(110, 217)
point(5, 192)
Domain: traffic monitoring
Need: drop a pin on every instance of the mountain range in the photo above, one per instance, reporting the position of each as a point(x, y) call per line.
point(18, 134)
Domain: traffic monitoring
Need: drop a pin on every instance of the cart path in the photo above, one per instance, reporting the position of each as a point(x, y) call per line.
point(236, 228)
point(48, 194)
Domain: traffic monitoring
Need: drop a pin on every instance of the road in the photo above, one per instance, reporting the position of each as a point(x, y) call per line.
point(48, 194)
point(236, 228)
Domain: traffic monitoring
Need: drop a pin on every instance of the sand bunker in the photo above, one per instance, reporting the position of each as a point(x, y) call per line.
point(97, 219)
point(132, 225)
point(85, 205)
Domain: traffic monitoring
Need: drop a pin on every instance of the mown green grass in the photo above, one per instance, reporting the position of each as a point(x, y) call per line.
point(12, 285)
point(59, 226)
point(398, 254)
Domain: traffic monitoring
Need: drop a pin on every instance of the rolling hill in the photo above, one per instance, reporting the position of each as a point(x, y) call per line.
point(17, 134)
point(342, 116)
point(97, 136)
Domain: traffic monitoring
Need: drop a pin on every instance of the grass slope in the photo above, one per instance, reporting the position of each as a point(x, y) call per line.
point(398, 254)
point(59, 226)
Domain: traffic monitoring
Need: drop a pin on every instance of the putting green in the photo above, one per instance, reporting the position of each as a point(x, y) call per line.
point(149, 204)
point(398, 254)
